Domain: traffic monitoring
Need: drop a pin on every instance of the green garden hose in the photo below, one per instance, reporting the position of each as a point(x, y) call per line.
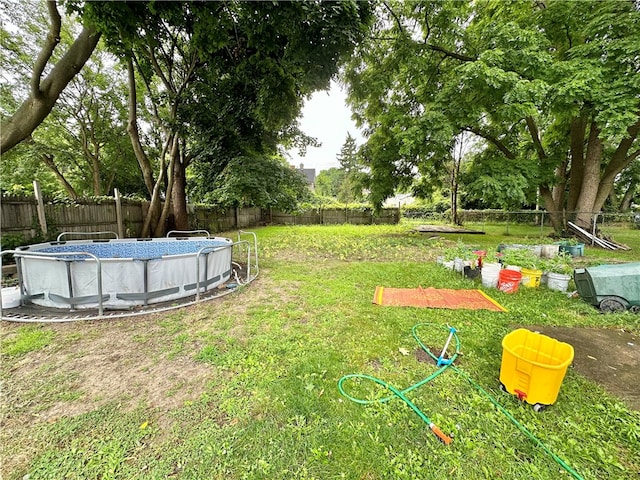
point(401, 394)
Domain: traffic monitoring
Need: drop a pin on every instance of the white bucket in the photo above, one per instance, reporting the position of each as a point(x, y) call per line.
point(10, 297)
point(489, 280)
point(490, 274)
point(448, 264)
point(558, 281)
point(491, 267)
point(537, 250)
point(550, 251)
point(458, 265)
point(544, 278)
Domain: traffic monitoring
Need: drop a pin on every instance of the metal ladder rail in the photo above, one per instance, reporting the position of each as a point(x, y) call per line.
point(255, 246)
point(86, 234)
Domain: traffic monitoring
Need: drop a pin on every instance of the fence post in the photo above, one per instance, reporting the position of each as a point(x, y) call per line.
point(116, 194)
point(41, 217)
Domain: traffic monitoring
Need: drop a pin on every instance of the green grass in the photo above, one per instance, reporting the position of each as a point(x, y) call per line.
point(27, 339)
point(269, 407)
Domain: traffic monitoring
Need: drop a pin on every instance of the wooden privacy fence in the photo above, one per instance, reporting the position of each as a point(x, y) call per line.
point(336, 216)
point(20, 217)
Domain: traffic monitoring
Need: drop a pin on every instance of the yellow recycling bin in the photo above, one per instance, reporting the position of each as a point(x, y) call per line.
point(533, 366)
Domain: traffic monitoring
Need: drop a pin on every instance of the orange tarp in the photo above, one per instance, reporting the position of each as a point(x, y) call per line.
point(436, 298)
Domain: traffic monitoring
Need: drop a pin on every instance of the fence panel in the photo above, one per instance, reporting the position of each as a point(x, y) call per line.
point(20, 218)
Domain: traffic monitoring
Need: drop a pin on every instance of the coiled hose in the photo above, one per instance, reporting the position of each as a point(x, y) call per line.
point(401, 394)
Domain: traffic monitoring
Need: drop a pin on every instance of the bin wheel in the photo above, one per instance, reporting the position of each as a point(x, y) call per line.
point(635, 309)
point(612, 305)
point(538, 407)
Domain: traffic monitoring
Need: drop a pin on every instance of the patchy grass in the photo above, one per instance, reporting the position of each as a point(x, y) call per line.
point(26, 339)
point(246, 386)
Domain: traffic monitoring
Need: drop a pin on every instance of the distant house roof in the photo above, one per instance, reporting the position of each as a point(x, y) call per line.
point(309, 173)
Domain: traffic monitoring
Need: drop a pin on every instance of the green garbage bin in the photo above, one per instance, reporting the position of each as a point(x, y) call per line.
point(612, 288)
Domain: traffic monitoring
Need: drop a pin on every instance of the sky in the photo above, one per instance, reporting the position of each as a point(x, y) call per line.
point(326, 117)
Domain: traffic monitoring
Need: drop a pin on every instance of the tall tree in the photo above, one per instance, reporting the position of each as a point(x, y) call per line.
point(44, 92)
point(329, 182)
point(81, 141)
point(228, 79)
point(266, 182)
point(551, 85)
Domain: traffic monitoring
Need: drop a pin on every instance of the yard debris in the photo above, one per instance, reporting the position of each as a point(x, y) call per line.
point(602, 242)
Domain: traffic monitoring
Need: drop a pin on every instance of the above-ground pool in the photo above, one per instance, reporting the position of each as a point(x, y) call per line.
point(126, 273)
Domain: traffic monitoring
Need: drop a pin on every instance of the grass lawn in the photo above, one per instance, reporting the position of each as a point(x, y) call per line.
point(246, 386)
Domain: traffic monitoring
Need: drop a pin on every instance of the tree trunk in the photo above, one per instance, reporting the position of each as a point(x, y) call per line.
point(132, 130)
point(586, 203)
point(48, 161)
point(178, 193)
point(552, 207)
point(576, 133)
point(160, 226)
point(150, 222)
point(153, 213)
point(620, 160)
point(41, 100)
point(625, 204)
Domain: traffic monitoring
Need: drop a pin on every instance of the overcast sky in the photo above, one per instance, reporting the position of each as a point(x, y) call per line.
point(327, 118)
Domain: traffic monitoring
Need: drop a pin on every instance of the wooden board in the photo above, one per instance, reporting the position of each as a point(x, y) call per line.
point(444, 229)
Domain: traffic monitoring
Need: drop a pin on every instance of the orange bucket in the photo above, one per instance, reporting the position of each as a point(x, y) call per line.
point(509, 280)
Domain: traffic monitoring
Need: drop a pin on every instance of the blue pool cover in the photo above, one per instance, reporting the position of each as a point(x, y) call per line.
point(138, 250)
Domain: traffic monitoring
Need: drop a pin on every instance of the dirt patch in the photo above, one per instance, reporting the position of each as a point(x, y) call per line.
point(608, 357)
point(109, 362)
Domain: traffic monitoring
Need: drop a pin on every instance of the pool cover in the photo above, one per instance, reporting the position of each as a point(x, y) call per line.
point(436, 298)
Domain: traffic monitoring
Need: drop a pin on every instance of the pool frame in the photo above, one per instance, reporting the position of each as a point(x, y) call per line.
point(215, 262)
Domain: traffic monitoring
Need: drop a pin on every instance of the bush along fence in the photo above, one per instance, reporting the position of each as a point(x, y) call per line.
point(521, 217)
point(29, 220)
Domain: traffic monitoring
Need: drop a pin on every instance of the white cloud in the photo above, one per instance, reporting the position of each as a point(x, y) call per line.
point(326, 117)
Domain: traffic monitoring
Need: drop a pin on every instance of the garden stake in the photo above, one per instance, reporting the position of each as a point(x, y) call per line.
point(441, 359)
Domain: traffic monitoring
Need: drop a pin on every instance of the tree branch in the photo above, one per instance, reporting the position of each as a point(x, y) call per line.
point(48, 160)
point(395, 17)
point(52, 41)
point(619, 159)
point(35, 109)
point(447, 53)
point(497, 143)
point(633, 155)
point(535, 136)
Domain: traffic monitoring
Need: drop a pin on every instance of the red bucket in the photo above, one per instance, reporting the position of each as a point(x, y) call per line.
point(509, 280)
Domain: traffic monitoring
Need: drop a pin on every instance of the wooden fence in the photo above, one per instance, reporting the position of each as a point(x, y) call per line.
point(19, 217)
point(337, 216)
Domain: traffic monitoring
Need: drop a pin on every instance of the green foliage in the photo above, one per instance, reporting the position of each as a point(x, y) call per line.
point(82, 147)
point(10, 241)
point(328, 182)
point(560, 263)
point(517, 76)
point(256, 182)
point(521, 257)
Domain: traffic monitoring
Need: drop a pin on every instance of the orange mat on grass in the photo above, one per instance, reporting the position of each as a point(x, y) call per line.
point(436, 298)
